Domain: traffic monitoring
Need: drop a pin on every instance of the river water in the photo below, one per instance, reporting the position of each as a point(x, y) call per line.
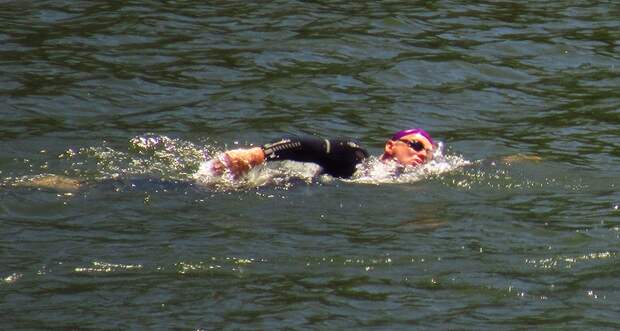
point(517, 226)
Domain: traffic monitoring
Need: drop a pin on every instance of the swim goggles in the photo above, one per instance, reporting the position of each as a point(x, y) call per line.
point(414, 144)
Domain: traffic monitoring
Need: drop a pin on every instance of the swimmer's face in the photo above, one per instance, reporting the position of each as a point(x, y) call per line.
point(413, 149)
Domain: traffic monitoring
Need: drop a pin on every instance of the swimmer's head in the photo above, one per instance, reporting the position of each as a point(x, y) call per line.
point(409, 147)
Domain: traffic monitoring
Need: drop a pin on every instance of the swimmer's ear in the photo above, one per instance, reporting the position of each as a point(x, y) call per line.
point(389, 146)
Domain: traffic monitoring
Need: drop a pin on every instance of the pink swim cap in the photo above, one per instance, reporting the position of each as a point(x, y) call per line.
point(403, 133)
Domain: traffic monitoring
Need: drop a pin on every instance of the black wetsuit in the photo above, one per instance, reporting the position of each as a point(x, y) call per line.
point(337, 157)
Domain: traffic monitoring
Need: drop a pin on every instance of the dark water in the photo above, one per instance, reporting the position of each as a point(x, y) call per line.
point(491, 245)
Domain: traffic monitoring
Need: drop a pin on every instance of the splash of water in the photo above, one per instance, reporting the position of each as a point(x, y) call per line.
point(375, 171)
point(146, 155)
point(281, 174)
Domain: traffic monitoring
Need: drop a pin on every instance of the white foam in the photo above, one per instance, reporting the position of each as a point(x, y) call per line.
point(375, 171)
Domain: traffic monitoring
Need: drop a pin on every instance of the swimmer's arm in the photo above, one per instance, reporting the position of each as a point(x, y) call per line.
point(337, 157)
point(51, 182)
point(238, 161)
point(520, 158)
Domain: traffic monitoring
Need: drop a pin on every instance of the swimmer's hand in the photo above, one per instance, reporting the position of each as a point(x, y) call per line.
point(238, 161)
point(51, 182)
point(521, 158)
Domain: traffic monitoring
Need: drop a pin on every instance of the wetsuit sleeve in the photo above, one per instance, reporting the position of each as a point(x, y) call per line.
point(337, 157)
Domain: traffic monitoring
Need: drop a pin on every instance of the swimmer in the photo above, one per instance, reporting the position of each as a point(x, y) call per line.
point(336, 157)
